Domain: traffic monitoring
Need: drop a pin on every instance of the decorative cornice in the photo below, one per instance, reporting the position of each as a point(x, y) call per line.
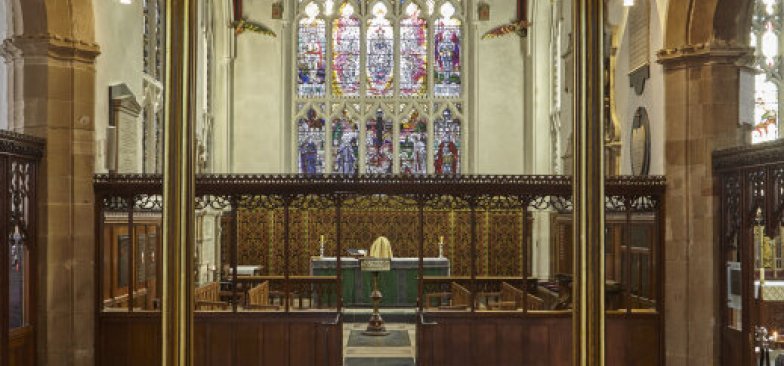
point(468, 185)
point(57, 47)
point(767, 153)
point(20, 144)
point(701, 53)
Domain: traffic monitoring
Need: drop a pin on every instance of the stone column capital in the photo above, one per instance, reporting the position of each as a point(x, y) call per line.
point(56, 47)
point(697, 55)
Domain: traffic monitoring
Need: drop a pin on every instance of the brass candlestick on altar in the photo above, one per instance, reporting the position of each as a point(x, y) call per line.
point(441, 246)
point(321, 247)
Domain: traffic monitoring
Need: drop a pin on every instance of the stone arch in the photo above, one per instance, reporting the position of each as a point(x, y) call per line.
point(695, 22)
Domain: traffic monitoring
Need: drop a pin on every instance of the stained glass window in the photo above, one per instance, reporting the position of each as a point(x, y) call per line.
point(413, 144)
point(413, 53)
point(383, 72)
point(380, 53)
point(311, 54)
point(378, 143)
point(446, 68)
point(447, 145)
point(765, 37)
point(346, 53)
point(310, 143)
point(345, 144)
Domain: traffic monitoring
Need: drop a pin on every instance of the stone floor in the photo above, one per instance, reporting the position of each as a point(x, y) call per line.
point(379, 355)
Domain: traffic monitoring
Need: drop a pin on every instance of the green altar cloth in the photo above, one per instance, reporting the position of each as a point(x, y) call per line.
point(398, 286)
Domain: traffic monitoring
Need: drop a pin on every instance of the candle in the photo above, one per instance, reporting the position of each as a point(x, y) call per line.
point(441, 239)
point(322, 238)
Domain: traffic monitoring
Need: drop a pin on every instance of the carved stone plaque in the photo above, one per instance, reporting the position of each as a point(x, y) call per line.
point(640, 145)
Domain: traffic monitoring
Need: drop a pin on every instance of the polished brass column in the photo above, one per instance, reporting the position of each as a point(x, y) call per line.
point(588, 184)
point(178, 184)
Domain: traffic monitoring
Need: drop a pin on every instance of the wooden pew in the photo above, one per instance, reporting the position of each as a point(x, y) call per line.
point(258, 298)
point(207, 297)
point(459, 298)
point(511, 298)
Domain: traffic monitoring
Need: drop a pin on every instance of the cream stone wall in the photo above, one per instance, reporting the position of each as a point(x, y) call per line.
point(502, 135)
point(5, 20)
point(652, 99)
point(119, 29)
point(258, 136)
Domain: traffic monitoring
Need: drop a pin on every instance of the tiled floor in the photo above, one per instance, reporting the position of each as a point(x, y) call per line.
point(379, 356)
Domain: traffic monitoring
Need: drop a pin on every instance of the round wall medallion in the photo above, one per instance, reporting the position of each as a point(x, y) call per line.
point(640, 145)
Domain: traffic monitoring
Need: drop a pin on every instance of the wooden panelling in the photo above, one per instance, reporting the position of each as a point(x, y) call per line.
point(539, 339)
point(633, 340)
point(495, 339)
point(21, 350)
point(225, 339)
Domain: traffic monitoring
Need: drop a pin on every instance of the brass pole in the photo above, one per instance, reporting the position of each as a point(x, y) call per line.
point(178, 184)
point(588, 184)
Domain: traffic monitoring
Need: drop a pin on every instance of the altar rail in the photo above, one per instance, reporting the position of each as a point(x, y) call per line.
point(276, 221)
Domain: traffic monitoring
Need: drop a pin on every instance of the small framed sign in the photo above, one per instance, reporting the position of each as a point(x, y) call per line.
point(371, 264)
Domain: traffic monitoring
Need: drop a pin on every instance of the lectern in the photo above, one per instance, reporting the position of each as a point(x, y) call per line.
point(380, 259)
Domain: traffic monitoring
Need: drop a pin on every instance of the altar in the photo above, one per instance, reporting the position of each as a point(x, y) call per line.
point(398, 286)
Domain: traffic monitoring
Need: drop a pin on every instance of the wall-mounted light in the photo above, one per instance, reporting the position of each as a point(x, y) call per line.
point(628, 2)
point(126, 2)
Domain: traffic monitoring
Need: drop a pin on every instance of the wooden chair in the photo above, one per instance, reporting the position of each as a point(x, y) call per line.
point(258, 298)
point(207, 297)
point(459, 298)
point(535, 303)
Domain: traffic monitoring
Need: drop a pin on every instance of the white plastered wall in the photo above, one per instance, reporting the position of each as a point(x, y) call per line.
point(119, 30)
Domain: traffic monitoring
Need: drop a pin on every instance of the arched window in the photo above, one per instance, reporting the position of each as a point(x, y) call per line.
point(766, 38)
point(379, 87)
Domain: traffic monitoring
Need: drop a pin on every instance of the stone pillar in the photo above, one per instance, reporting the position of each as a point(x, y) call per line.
point(57, 103)
point(702, 102)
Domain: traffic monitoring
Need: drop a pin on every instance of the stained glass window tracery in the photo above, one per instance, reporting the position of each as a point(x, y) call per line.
point(383, 71)
point(311, 54)
point(310, 143)
point(447, 44)
point(346, 52)
point(766, 38)
point(447, 145)
point(413, 53)
point(378, 142)
point(380, 53)
point(345, 144)
point(413, 144)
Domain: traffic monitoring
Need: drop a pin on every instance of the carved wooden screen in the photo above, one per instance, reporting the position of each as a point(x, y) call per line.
point(20, 157)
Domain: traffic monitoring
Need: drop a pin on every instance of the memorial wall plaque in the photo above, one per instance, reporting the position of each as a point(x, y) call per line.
point(640, 145)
